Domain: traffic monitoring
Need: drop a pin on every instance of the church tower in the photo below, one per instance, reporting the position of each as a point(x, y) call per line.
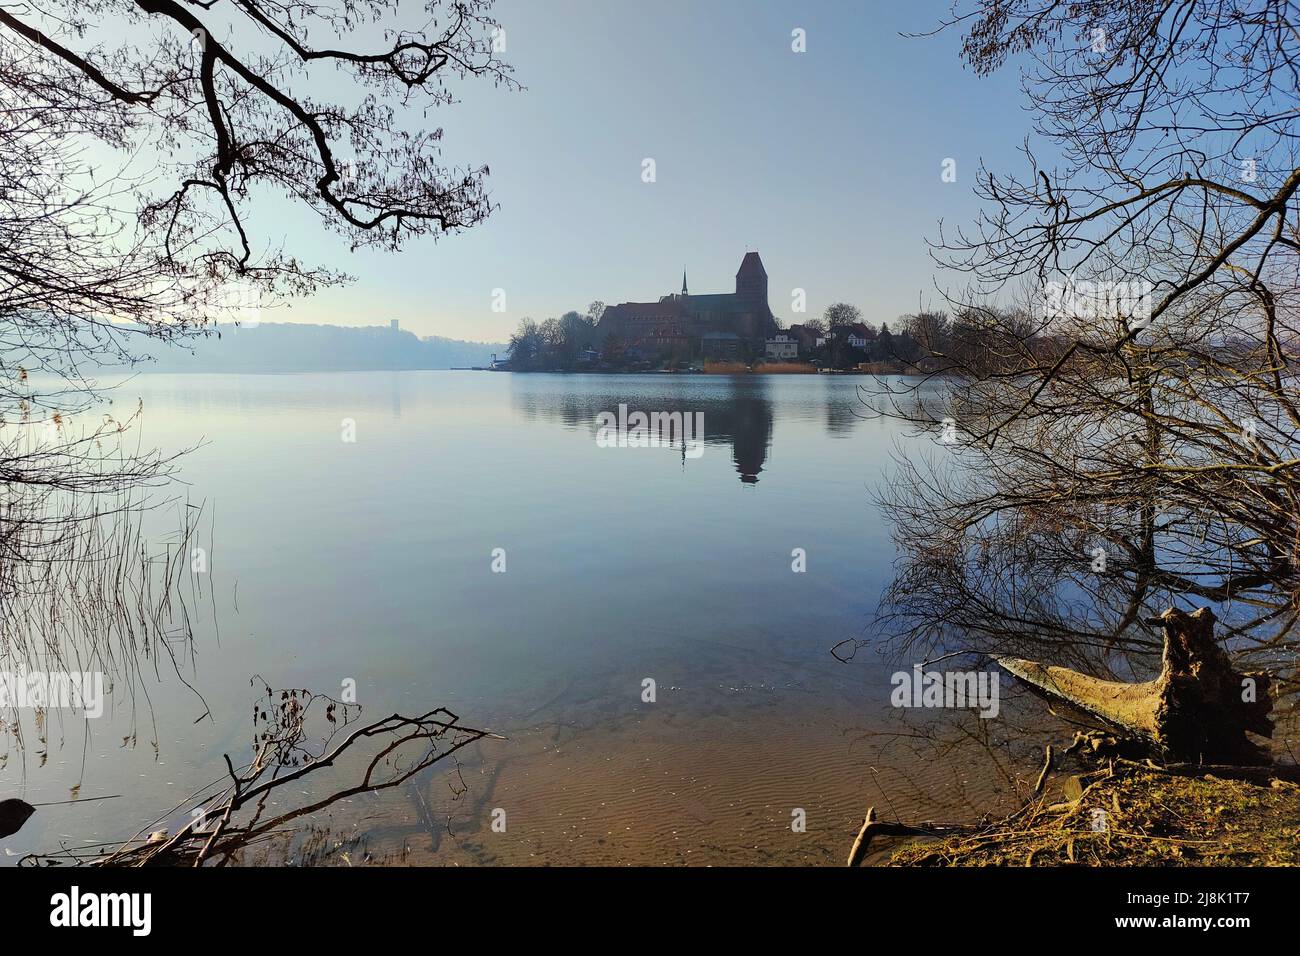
point(751, 281)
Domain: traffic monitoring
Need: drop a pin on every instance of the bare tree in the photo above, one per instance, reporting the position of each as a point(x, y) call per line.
point(136, 137)
point(1122, 431)
point(841, 314)
point(930, 331)
point(527, 345)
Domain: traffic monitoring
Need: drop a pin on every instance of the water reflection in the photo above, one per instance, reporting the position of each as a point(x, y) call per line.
point(737, 409)
point(329, 566)
point(846, 412)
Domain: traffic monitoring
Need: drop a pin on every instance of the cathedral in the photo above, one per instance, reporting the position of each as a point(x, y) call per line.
point(717, 325)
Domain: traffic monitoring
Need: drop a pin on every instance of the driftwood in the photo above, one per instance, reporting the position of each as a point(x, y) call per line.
point(1043, 774)
point(872, 826)
point(284, 753)
point(1199, 709)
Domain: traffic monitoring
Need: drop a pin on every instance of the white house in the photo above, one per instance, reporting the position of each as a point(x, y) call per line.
point(782, 347)
point(857, 335)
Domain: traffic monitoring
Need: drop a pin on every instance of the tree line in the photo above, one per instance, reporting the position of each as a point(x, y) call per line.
point(973, 340)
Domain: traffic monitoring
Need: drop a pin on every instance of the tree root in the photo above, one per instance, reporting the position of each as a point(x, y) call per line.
point(1197, 709)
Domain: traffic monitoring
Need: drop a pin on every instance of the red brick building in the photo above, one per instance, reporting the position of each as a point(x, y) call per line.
point(678, 319)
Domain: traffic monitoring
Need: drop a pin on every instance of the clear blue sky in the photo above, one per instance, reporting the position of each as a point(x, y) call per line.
point(827, 162)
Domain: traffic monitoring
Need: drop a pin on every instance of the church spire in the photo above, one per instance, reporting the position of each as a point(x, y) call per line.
point(684, 292)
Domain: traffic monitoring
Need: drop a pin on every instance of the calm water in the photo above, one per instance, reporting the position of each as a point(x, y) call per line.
point(372, 560)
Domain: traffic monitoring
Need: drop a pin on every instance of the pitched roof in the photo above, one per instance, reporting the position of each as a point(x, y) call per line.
point(751, 265)
point(666, 308)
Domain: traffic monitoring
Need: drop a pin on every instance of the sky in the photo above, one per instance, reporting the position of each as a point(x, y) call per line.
point(827, 162)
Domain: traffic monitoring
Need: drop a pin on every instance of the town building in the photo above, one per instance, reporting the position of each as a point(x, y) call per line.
point(809, 340)
point(858, 335)
point(782, 346)
point(720, 345)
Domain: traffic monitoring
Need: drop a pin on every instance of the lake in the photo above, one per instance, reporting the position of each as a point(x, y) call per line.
point(460, 538)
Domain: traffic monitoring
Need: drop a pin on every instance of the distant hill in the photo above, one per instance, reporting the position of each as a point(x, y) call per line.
point(291, 347)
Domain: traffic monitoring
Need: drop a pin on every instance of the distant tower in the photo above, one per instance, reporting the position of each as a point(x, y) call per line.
point(751, 294)
point(684, 292)
point(751, 281)
point(392, 324)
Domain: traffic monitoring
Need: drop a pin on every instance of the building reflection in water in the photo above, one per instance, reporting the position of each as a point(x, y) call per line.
point(737, 408)
point(746, 422)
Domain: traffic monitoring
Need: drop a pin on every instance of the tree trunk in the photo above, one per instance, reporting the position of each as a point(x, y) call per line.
point(1199, 709)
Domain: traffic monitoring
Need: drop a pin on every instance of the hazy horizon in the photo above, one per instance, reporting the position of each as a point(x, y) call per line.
point(756, 147)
